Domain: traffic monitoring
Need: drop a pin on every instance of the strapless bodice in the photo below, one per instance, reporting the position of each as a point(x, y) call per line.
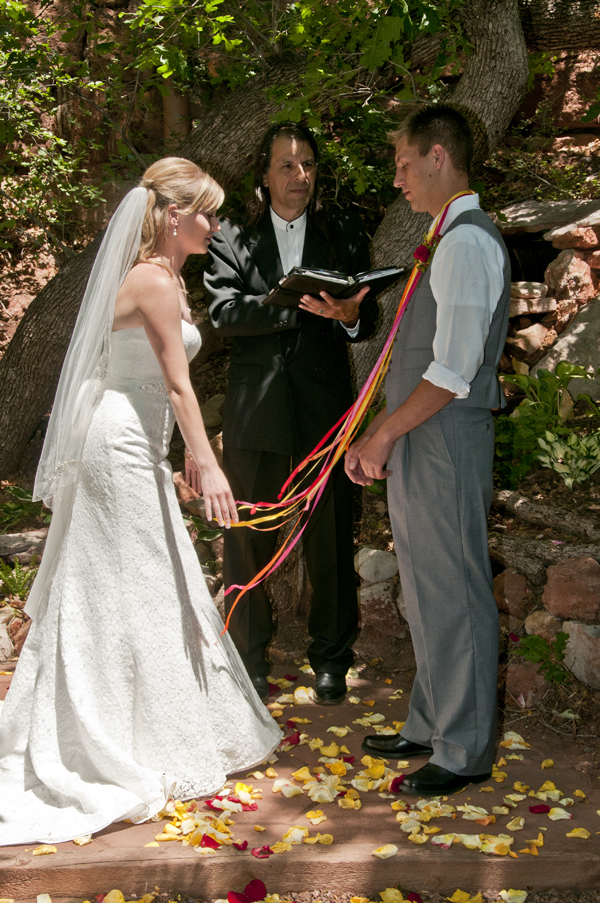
point(132, 356)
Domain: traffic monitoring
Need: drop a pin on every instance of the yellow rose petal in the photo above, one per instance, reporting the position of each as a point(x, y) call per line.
point(580, 832)
point(580, 794)
point(114, 896)
point(547, 763)
point(83, 841)
point(281, 847)
point(459, 896)
point(391, 895)
point(152, 843)
point(259, 828)
point(513, 896)
point(44, 850)
point(325, 839)
point(386, 851)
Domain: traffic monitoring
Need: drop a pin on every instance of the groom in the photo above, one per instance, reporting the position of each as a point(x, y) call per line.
point(436, 439)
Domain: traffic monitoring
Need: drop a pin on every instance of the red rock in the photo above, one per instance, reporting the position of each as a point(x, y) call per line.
point(582, 654)
point(530, 339)
point(524, 683)
point(185, 493)
point(510, 589)
point(573, 590)
point(542, 623)
point(575, 237)
point(21, 635)
point(569, 276)
point(593, 260)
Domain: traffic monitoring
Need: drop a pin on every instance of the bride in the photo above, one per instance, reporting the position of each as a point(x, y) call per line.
point(125, 693)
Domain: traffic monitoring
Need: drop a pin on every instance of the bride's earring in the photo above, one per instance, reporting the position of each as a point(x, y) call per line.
point(175, 229)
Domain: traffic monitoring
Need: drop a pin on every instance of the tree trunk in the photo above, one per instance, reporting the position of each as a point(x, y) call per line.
point(532, 557)
point(560, 25)
point(489, 93)
point(564, 521)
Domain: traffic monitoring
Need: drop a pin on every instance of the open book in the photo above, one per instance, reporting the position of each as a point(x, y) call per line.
point(304, 281)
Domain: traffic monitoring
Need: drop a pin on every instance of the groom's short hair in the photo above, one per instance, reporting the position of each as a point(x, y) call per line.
point(438, 124)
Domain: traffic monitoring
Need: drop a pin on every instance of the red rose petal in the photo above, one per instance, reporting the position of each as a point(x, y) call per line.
point(273, 689)
point(255, 891)
point(243, 845)
point(210, 842)
point(261, 852)
point(291, 677)
point(290, 724)
point(395, 783)
point(249, 807)
point(348, 759)
point(292, 740)
point(232, 897)
point(413, 897)
point(539, 810)
point(514, 637)
point(209, 804)
point(100, 898)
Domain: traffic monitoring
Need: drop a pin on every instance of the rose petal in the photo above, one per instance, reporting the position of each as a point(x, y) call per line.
point(540, 809)
point(395, 784)
point(290, 677)
point(255, 890)
point(210, 842)
point(261, 852)
point(243, 845)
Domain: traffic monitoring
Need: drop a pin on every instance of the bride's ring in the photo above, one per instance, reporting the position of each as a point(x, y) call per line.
point(320, 310)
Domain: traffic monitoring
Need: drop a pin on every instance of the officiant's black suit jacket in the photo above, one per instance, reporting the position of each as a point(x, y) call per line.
point(289, 376)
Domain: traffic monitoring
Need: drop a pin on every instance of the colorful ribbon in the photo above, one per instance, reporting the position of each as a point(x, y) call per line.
point(293, 502)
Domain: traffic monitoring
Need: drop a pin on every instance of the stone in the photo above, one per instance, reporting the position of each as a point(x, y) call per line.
point(529, 340)
point(582, 654)
point(593, 260)
point(579, 344)
point(21, 635)
point(573, 590)
point(542, 623)
point(211, 411)
point(378, 609)
point(375, 565)
point(401, 604)
point(538, 216)
point(570, 276)
point(528, 290)
point(520, 306)
point(525, 685)
point(219, 601)
point(6, 645)
point(510, 592)
point(573, 236)
point(23, 546)
point(184, 491)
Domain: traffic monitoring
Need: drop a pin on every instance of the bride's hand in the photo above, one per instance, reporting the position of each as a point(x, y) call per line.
point(218, 497)
point(192, 473)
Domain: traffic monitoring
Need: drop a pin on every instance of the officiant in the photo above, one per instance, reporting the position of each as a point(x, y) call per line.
point(288, 384)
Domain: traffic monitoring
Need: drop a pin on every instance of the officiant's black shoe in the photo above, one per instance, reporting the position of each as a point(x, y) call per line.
point(395, 747)
point(330, 689)
point(433, 780)
point(261, 685)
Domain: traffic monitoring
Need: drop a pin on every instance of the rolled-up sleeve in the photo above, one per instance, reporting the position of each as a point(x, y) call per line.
point(467, 282)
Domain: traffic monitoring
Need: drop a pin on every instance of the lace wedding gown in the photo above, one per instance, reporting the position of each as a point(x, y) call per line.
point(125, 694)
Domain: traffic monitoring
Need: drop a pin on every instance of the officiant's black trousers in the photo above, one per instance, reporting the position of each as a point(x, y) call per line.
point(257, 476)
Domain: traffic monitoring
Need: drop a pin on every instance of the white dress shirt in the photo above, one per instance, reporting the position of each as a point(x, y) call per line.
point(290, 244)
point(467, 282)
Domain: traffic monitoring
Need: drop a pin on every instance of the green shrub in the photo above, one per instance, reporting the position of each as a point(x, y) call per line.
point(575, 458)
point(549, 656)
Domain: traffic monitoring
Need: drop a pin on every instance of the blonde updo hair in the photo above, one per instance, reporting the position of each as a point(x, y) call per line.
point(174, 180)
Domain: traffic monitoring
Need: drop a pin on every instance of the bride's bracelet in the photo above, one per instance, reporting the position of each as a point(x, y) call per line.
point(188, 455)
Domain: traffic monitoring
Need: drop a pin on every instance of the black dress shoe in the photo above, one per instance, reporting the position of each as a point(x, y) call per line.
point(261, 685)
point(330, 689)
point(395, 747)
point(433, 780)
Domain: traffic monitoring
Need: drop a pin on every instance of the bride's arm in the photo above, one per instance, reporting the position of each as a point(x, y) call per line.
point(159, 309)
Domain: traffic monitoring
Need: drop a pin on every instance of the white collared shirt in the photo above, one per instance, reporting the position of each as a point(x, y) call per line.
point(467, 282)
point(290, 240)
point(290, 244)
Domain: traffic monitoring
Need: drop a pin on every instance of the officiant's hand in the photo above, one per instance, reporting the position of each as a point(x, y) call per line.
point(346, 310)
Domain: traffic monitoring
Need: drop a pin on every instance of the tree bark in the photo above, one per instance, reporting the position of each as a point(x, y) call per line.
point(532, 557)
point(560, 25)
point(540, 516)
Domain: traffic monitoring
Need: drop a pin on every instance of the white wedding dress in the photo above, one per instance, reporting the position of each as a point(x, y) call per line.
point(125, 693)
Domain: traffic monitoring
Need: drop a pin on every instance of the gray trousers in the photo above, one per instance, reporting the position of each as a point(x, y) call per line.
point(439, 496)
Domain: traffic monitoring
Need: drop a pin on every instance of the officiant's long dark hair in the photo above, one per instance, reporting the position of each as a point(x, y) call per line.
point(260, 200)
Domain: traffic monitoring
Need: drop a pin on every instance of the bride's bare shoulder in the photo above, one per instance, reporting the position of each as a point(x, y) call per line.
point(144, 277)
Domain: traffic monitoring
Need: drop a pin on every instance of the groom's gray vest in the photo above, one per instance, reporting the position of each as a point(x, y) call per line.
point(413, 348)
